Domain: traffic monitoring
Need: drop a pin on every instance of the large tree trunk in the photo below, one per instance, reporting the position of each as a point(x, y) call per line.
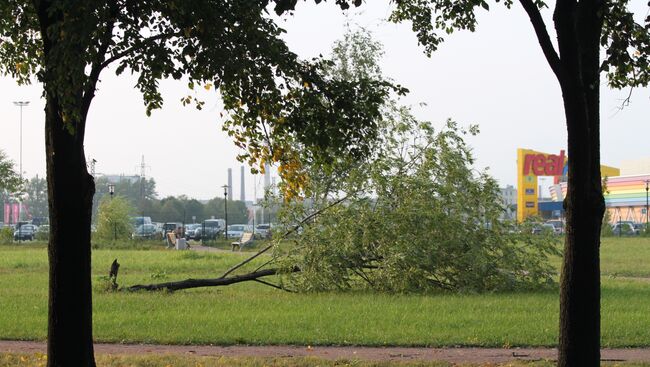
point(70, 193)
point(578, 35)
point(70, 189)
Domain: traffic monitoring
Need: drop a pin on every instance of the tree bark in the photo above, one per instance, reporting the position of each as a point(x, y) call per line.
point(70, 188)
point(196, 283)
point(579, 27)
point(70, 193)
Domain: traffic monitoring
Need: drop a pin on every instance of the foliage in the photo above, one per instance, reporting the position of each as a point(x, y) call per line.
point(113, 219)
point(418, 218)
point(36, 196)
point(9, 178)
point(626, 42)
point(6, 235)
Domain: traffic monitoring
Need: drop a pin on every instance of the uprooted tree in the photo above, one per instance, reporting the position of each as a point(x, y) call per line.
point(585, 30)
point(230, 46)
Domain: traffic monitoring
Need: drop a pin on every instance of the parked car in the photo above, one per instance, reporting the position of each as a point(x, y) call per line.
point(172, 227)
point(558, 226)
point(25, 232)
point(144, 231)
point(138, 221)
point(544, 227)
point(624, 229)
point(263, 230)
point(190, 230)
point(209, 229)
point(236, 230)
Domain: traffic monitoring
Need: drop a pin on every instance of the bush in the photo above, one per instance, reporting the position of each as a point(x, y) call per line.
point(6, 235)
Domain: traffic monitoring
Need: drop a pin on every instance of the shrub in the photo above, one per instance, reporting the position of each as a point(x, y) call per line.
point(6, 235)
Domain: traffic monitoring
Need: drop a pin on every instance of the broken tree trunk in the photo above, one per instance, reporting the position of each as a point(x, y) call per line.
point(195, 283)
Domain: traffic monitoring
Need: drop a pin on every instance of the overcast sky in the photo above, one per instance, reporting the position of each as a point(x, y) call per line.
point(496, 77)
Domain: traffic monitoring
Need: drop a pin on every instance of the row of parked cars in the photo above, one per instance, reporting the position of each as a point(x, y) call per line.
point(26, 231)
point(628, 228)
point(622, 228)
point(208, 229)
point(555, 226)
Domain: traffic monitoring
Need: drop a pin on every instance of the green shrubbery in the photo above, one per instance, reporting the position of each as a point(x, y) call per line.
point(6, 235)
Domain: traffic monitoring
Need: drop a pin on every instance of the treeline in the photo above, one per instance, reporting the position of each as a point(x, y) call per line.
point(143, 197)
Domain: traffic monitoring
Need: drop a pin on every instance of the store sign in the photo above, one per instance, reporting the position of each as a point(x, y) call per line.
point(544, 164)
point(530, 204)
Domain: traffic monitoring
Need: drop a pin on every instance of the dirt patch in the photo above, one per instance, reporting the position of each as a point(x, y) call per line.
point(453, 355)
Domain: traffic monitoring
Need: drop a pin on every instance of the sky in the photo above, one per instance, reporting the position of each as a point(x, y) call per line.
point(495, 77)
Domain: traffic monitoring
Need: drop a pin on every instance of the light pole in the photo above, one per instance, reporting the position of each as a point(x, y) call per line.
point(647, 187)
point(225, 206)
point(111, 191)
point(20, 104)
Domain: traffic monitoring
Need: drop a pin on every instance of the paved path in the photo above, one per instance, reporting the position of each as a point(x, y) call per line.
point(453, 355)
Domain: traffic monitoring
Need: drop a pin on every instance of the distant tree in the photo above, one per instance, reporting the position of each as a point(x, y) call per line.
point(194, 208)
point(9, 179)
point(171, 210)
point(36, 196)
point(114, 219)
point(585, 31)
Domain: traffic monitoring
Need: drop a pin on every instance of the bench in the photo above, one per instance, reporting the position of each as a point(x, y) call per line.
point(245, 239)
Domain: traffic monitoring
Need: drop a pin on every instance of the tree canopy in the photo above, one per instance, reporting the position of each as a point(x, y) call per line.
point(9, 179)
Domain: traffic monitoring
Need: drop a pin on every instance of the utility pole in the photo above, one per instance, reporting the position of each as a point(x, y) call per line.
point(20, 104)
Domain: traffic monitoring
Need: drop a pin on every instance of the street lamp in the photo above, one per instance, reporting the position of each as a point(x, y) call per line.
point(647, 187)
point(225, 206)
point(20, 104)
point(111, 191)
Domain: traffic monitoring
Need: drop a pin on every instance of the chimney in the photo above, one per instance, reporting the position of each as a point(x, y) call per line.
point(242, 189)
point(229, 183)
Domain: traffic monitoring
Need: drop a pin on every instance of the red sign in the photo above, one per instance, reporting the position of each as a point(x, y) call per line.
point(544, 165)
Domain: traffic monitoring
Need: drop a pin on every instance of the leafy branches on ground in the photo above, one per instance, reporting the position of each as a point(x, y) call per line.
point(425, 220)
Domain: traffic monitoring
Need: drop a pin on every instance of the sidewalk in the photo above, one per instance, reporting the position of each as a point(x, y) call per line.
point(452, 355)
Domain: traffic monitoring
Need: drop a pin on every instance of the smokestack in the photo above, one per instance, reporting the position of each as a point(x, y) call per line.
point(242, 189)
point(229, 183)
point(267, 176)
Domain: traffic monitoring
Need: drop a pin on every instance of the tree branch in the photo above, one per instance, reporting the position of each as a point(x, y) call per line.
point(139, 46)
point(542, 36)
point(287, 233)
point(195, 283)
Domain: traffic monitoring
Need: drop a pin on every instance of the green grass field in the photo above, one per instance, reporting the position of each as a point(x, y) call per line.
point(255, 314)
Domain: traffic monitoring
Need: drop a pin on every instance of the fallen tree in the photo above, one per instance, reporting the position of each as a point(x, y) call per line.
point(196, 283)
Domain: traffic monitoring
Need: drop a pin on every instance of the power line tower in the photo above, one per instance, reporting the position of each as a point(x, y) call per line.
point(143, 181)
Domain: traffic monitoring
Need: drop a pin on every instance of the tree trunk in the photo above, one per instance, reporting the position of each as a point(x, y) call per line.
point(71, 190)
point(579, 343)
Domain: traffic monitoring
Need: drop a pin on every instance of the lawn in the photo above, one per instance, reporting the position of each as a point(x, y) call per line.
point(255, 314)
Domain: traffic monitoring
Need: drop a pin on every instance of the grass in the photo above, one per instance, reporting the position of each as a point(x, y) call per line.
point(251, 313)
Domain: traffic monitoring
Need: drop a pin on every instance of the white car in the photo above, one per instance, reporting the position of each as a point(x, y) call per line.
point(236, 230)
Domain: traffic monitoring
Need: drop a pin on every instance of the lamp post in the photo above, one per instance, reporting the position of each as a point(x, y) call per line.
point(111, 191)
point(647, 187)
point(225, 206)
point(20, 104)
